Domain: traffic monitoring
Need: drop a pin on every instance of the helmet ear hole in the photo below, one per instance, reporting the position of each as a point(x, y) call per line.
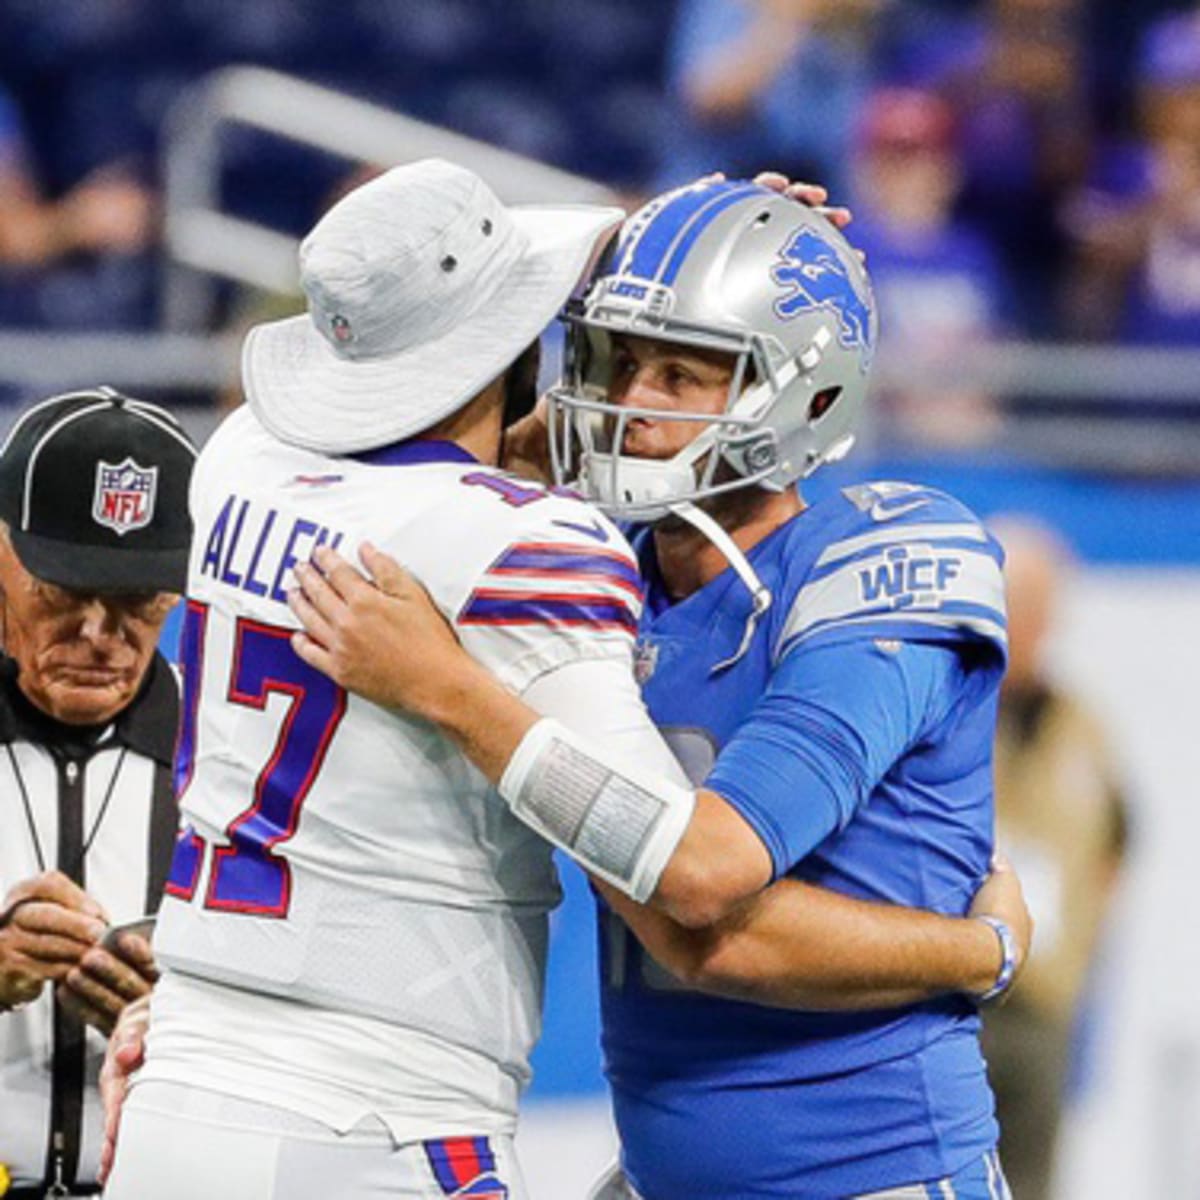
point(822, 402)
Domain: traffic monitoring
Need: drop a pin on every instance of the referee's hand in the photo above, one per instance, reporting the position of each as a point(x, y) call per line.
point(99, 986)
point(47, 924)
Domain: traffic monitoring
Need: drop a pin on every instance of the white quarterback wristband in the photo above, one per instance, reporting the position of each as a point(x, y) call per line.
point(615, 821)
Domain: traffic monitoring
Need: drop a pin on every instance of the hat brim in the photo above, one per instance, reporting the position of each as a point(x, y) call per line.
point(111, 569)
point(307, 395)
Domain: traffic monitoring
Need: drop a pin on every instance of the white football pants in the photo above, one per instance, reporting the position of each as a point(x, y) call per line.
point(189, 1144)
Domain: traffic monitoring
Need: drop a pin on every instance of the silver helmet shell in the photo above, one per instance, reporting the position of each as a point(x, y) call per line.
point(733, 267)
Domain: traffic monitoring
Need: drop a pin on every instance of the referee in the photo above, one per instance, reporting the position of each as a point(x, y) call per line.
point(94, 535)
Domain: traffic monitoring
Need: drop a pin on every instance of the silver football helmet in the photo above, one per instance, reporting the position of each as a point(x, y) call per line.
point(734, 267)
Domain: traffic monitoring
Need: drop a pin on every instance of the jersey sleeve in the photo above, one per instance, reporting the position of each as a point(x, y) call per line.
point(562, 588)
point(600, 700)
point(924, 570)
point(832, 722)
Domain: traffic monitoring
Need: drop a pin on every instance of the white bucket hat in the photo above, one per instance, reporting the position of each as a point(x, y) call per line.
point(422, 288)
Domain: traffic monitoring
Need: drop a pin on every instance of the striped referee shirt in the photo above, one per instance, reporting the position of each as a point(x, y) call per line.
point(98, 806)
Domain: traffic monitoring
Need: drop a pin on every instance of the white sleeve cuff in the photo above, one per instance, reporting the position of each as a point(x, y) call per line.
point(617, 822)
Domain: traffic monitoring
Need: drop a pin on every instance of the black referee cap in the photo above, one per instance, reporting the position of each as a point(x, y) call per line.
point(94, 490)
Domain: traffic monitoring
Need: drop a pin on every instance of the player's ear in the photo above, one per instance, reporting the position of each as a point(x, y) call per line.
point(520, 384)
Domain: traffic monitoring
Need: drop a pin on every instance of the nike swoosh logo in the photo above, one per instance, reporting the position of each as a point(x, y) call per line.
point(594, 530)
point(880, 513)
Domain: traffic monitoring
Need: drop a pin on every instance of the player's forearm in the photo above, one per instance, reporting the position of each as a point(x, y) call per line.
point(798, 946)
point(484, 719)
point(717, 865)
point(694, 857)
point(683, 866)
point(813, 948)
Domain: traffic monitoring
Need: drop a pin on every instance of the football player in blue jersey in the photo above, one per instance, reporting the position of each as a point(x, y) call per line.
point(827, 675)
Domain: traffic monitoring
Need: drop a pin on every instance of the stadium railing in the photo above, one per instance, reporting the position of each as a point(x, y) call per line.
point(1103, 407)
point(205, 243)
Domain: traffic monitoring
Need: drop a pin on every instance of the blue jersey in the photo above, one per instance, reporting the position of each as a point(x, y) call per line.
point(854, 735)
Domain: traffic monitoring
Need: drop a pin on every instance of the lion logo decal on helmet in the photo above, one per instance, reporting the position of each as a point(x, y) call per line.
point(817, 278)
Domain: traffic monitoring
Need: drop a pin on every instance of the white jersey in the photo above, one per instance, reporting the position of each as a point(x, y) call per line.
point(345, 866)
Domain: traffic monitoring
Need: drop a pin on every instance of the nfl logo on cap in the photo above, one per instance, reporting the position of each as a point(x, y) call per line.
point(124, 498)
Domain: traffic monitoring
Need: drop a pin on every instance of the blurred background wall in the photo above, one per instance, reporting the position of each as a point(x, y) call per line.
point(1025, 176)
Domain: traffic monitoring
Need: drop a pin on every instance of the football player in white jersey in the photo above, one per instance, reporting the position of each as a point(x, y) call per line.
point(354, 931)
point(355, 928)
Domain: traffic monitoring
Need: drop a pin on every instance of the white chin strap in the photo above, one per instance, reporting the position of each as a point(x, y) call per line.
point(760, 595)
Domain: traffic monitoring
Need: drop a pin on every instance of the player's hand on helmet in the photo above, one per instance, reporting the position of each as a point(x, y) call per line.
point(126, 1049)
point(1001, 896)
point(381, 638)
point(813, 195)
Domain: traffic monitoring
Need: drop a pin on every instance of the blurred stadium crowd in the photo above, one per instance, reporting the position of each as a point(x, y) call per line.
point(1036, 172)
point(1019, 168)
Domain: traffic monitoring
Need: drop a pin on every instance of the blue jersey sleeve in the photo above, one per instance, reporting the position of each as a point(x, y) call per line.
point(832, 722)
point(916, 566)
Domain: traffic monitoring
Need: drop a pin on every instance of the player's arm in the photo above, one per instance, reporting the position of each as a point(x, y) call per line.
point(126, 1050)
point(796, 945)
point(625, 820)
point(799, 946)
point(395, 649)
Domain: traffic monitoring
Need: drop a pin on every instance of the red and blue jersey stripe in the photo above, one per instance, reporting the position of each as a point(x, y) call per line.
point(465, 1166)
point(491, 607)
point(550, 561)
point(537, 583)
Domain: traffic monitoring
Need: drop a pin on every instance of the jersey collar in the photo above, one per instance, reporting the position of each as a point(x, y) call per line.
point(414, 452)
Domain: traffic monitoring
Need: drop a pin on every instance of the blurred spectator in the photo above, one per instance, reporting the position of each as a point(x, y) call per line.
point(107, 213)
point(767, 83)
point(1137, 270)
point(939, 284)
point(1062, 818)
point(1019, 88)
